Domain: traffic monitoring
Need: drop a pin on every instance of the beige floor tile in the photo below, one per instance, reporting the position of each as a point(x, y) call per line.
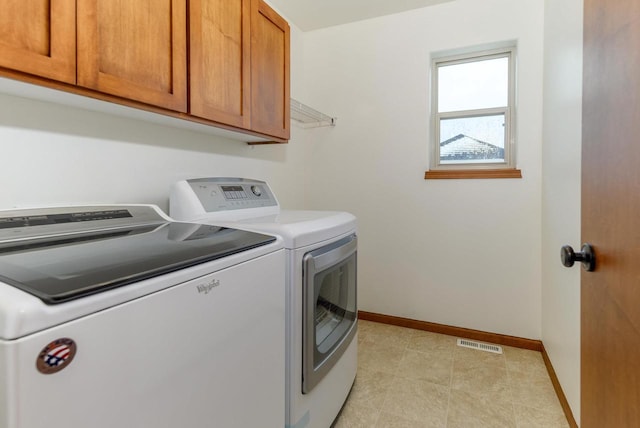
point(489, 380)
point(435, 366)
point(527, 417)
point(370, 388)
point(365, 327)
point(468, 410)
point(525, 360)
point(378, 357)
point(388, 335)
point(469, 358)
point(425, 341)
point(356, 416)
point(419, 401)
point(388, 420)
point(533, 391)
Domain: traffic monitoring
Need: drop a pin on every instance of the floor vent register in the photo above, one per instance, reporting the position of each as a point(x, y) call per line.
point(465, 343)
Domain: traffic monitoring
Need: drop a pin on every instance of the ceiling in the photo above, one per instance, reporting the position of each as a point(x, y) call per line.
point(315, 14)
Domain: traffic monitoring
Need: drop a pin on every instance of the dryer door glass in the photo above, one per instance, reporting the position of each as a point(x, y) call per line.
point(335, 305)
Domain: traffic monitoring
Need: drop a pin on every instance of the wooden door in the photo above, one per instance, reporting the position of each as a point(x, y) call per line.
point(39, 37)
point(220, 61)
point(270, 35)
point(610, 296)
point(135, 50)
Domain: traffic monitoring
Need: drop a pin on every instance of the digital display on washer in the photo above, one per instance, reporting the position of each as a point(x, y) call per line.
point(66, 267)
point(233, 192)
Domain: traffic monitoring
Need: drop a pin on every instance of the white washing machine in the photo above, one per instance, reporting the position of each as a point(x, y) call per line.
point(321, 284)
point(116, 316)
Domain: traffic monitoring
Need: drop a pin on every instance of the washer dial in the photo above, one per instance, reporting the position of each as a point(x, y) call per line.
point(256, 190)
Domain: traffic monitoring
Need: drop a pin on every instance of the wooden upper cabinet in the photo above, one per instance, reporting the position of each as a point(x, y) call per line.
point(239, 65)
point(270, 36)
point(220, 73)
point(134, 49)
point(39, 37)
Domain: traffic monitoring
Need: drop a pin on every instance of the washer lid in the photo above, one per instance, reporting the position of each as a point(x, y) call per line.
point(64, 267)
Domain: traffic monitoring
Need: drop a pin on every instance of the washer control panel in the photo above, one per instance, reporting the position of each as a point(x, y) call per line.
point(224, 194)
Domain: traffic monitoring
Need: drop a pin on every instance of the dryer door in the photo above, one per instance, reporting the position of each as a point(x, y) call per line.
point(329, 309)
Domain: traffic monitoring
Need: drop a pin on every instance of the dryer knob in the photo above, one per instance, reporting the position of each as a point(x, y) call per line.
point(256, 190)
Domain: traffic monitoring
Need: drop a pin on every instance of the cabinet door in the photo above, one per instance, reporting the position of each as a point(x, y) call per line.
point(135, 50)
point(269, 71)
point(39, 37)
point(220, 73)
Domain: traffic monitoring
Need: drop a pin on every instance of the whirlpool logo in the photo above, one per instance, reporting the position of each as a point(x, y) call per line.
point(206, 288)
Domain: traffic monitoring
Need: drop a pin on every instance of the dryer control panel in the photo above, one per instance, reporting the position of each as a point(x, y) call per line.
point(225, 194)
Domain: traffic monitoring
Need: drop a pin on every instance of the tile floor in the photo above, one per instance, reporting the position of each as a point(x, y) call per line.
point(412, 378)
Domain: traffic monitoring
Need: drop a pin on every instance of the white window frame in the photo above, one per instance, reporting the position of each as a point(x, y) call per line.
point(439, 60)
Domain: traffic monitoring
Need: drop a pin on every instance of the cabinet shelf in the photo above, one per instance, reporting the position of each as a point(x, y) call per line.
point(307, 117)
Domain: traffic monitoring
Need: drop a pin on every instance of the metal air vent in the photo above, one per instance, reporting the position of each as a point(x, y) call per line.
point(465, 343)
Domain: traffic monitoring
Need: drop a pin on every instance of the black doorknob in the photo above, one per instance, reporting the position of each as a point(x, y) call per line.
point(586, 256)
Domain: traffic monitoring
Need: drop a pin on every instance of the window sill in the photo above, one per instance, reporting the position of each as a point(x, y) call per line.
point(472, 173)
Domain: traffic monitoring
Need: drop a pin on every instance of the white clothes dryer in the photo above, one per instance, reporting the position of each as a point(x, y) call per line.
point(321, 284)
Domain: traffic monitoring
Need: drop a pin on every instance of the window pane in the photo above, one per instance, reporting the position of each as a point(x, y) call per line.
point(478, 139)
point(473, 85)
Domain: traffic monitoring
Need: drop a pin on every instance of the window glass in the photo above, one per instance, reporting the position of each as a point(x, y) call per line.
point(472, 139)
point(473, 85)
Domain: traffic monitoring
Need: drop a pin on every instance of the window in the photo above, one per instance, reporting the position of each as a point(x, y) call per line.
point(473, 115)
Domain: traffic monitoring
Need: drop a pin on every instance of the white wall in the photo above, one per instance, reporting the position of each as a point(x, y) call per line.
point(458, 252)
point(561, 191)
point(56, 154)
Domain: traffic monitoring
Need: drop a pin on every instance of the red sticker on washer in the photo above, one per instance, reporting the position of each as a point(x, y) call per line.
point(56, 356)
